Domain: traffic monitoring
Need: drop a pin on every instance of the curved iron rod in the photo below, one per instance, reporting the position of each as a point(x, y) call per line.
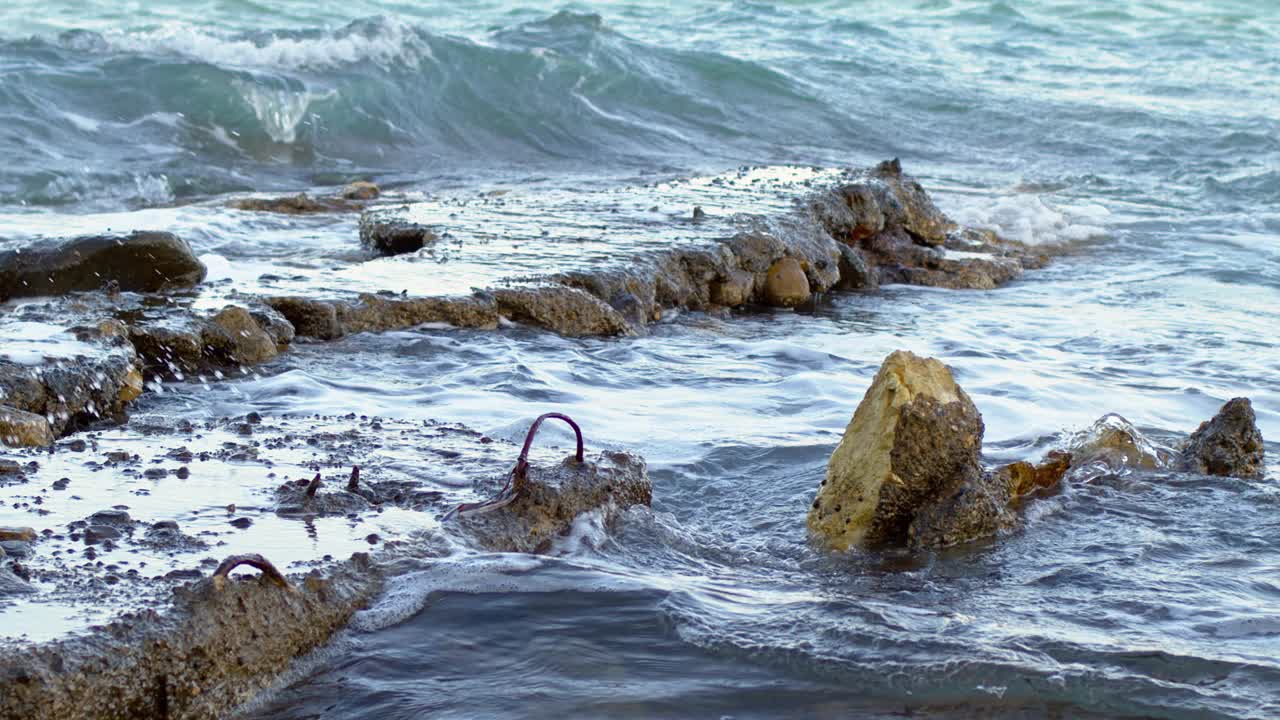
point(313, 486)
point(520, 473)
point(254, 560)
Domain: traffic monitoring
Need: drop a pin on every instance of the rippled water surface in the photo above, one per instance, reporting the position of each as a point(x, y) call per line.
point(1141, 137)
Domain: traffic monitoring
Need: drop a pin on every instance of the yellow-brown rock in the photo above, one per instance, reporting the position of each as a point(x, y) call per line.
point(1023, 478)
point(130, 385)
point(785, 284)
point(914, 441)
point(19, 428)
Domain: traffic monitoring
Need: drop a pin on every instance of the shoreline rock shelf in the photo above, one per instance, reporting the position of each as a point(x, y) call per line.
point(908, 471)
point(155, 635)
point(860, 230)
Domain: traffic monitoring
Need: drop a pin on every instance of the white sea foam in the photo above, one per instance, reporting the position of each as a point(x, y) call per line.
point(1030, 218)
point(393, 42)
point(31, 343)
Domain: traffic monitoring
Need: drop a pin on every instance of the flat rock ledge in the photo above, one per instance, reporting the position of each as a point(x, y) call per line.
point(223, 641)
point(195, 646)
point(876, 227)
point(908, 471)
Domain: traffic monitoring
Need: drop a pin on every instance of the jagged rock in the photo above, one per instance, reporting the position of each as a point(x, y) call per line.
point(138, 262)
point(561, 309)
point(224, 640)
point(911, 450)
point(72, 391)
point(391, 236)
point(1114, 443)
point(361, 190)
point(1228, 444)
point(856, 273)
point(24, 429)
point(11, 584)
point(554, 497)
point(378, 313)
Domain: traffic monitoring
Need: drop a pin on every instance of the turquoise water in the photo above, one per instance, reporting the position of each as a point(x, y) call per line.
point(1142, 137)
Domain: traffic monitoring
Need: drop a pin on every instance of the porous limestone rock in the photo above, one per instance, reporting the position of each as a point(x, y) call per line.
point(914, 442)
point(1228, 444)
point(564, 310)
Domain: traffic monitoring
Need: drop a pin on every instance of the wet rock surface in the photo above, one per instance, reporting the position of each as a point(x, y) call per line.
point(1229, 443)
point(93, 381)
point(139, 262)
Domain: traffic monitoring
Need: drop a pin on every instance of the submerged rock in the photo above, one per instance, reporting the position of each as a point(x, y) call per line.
point(361, 190)
point(1228, 444)
point(552, 498)
point(912, 450)
point(138, 262)
point(1114, 443)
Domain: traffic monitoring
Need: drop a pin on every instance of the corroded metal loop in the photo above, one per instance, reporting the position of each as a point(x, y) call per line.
point(254, 560)
point(519, 474)
point(522, 464)
point(353, 483)
point(313, 486)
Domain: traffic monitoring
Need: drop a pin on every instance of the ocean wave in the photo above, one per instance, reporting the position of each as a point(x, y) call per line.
point(289, 108)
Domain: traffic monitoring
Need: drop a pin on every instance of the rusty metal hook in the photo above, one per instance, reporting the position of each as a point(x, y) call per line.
point(520, 473)
point(254, 560)
point(313, 486)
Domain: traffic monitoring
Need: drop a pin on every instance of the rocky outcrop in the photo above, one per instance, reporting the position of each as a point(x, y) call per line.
point(1113, 443)
point(1230, 443)
point(900, 236)
point(908, 469)
point(224, 640)
point(551, 498)
point(138, 262)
